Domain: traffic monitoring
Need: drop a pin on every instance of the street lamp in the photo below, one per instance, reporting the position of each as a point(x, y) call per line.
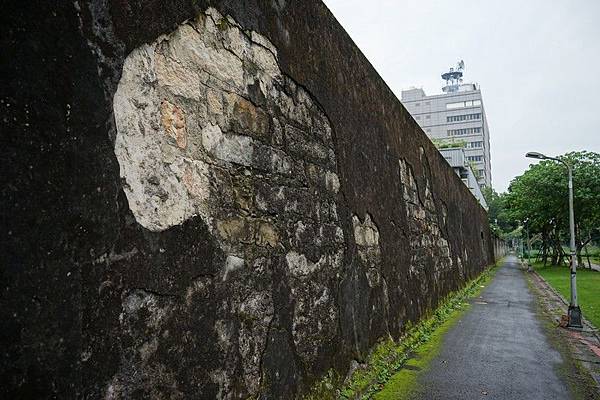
point(574, 312)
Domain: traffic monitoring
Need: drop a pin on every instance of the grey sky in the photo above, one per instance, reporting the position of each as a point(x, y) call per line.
point(538, 64)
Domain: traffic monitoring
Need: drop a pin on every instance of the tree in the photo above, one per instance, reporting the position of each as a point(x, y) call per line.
point(541, 196)
point(500, 220)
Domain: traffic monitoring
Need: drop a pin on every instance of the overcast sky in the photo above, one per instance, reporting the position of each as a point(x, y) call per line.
point(537, 61)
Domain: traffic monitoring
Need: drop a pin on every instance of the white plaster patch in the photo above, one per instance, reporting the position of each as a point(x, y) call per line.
point(332, 182)
point(366, 236)
point(365, 233)
point(200, 116)
point(298, 264)
point(172, 120)
point(233, 263)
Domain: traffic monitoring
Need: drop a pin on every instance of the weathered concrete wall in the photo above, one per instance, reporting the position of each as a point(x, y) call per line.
point(211, 201)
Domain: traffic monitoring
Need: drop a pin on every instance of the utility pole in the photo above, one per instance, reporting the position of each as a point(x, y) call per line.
point(574, 310)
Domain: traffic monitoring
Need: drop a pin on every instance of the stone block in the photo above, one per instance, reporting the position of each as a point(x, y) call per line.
point(267, 235)
point(271, 160)
point(250, 120)
point(237, 229)
point(243, 191)
point(301, 145)
point(173, 121)
point(232, 148)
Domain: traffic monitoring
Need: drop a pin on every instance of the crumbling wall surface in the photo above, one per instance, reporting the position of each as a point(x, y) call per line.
point(500, 247)
point(211, 200)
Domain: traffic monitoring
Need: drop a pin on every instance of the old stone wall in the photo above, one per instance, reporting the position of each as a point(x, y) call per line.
point(211, 200)
point(500, 247)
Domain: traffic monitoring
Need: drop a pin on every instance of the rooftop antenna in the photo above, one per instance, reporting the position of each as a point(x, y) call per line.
point(454, 77)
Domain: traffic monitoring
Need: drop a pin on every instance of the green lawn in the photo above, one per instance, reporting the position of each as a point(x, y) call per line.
point(588, 288)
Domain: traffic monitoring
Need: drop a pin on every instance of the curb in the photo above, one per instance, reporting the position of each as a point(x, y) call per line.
point(583, 341)
point(590, 328)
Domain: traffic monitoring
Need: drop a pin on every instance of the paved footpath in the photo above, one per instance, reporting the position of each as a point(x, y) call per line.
point(498, 349)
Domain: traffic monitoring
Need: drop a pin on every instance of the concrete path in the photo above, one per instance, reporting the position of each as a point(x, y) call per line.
point(498, 349)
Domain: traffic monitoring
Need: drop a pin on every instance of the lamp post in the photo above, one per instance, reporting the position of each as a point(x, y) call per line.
point(574, 312)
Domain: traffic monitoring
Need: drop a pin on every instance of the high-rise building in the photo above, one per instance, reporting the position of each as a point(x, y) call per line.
point(458, 161)
point(457, 117)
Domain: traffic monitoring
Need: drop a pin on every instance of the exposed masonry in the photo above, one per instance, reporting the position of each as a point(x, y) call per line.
point(209, 127)
point(430, 251)
point(212, 265)
point(366, 237)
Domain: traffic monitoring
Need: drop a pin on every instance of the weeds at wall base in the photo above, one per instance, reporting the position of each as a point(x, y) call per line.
point(389, 356)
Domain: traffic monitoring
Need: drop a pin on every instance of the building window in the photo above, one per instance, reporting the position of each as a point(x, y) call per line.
point(427, 103)
point(463, 131)
point(474, 145)
point(474, 158)
point(417, 104)
point(463, 117)
point(461, 104)
point(428, 117)
point(427, 130)
point(451, 106)
point(417, 117)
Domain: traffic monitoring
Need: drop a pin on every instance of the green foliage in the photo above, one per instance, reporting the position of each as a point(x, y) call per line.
point(501, 222)
point(474, 169)
point(445, 144)
point(403, 384)
point(326, 388)
point(540, 196)
point(541, 193)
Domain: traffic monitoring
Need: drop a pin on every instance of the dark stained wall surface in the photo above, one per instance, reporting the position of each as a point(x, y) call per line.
point(104, 298)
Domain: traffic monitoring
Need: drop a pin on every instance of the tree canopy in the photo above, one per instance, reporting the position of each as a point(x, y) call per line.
point(540, 197)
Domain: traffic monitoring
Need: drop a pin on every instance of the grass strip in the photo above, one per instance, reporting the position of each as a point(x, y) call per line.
point(389, 356)
point(403, 384)
point(578, 377)
point(588, 286)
